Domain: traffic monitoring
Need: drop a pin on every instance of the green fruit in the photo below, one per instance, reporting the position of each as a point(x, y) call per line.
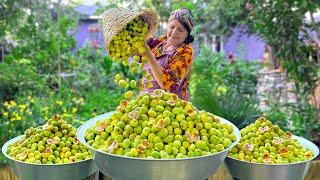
point(263, 142)
point(133, 84)
point(123, 83)
point(157, 125)
point(142, 50)
point(128, 95)
point(136, 58)
point(46, 144)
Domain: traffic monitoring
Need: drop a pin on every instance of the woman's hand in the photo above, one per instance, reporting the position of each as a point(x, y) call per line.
point(148, 51)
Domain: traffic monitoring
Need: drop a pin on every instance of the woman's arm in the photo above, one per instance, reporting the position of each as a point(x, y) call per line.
point(171, 77)
point(156, 69)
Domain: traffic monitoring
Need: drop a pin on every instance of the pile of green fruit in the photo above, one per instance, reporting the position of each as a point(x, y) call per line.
point(161, 126)
point(263, 142)
point(53, 143)
point(129, 42)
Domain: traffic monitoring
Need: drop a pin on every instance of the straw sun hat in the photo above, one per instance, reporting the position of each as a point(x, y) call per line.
point(115, 19)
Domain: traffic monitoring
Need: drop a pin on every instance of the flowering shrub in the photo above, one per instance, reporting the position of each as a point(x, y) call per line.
point(43, 76)
point(17, 116)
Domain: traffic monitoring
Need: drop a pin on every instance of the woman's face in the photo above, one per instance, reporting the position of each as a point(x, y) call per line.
point(176, 33)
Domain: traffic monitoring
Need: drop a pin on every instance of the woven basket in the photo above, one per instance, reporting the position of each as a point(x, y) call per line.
point(115, 19)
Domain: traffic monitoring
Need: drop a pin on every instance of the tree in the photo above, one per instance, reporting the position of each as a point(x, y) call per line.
point(213, 18)
point(282, 25)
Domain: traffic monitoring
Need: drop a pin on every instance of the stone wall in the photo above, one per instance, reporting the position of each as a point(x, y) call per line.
point(274, 87)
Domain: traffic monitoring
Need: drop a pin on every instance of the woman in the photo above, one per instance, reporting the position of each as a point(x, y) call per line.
point(170, 57)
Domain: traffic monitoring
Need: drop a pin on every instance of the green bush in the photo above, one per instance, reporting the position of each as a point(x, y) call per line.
point(223, 88)
point(19, 77)
point(42, 76)
point(231, 105)
point(282, 25)
point(100, 101)
point(300, 120)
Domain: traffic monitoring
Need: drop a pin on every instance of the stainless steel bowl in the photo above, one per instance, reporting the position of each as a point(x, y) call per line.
point(252, 171)
point(28, 171)
point(120, 167)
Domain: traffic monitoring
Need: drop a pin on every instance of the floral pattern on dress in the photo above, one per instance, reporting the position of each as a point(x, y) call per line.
point(177, 70)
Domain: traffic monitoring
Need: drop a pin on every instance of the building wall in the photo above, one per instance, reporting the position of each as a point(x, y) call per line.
point(244, 46)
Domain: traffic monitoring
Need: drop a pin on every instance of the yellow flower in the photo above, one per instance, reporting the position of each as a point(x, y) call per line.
point(6, 103)
point(13, 104)
point(221, 89)
point(59, 102)
point(22, 107)
point(31, 99)
point(5, 114)
point(74, 110)
point(45, 109)
point(18, 117)
point(81, 100)
point(29, 112)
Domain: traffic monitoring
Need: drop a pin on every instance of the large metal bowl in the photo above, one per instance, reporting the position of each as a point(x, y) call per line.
point(28, 171)
point(120, 167)
point(252, 171)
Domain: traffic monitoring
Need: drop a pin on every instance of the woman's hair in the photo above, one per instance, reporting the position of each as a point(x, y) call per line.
point(184, 16)
point(189, 39)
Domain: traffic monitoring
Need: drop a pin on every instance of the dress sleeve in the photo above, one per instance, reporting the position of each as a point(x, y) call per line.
point(176, 73)
point(151, 42)
point(154, 41)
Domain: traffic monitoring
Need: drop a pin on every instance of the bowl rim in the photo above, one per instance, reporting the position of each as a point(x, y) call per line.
point(81, 131)
point(315, 150)
point(13, 140)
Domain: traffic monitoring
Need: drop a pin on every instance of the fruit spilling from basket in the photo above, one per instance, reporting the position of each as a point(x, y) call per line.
point(264, 142)
point(53, 143)
point(161, 126)
point(129, 42)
